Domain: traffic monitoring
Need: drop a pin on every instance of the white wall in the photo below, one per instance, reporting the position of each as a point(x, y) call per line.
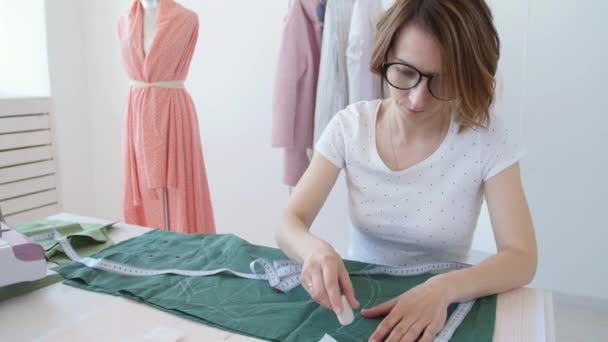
point(565, 124)
point(553, 64)
point(23, 61)
point(231, 81)
point(67, 65)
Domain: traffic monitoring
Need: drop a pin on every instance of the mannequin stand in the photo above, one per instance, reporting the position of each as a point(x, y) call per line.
point(166, 206)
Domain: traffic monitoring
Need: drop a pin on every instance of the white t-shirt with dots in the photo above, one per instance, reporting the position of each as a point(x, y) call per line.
point(427, 212)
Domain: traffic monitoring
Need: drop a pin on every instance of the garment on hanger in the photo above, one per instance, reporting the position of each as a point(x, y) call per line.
point(320, 9)
point(363, 85)
point(332, 87)
point(295, 87)
point(162, 142)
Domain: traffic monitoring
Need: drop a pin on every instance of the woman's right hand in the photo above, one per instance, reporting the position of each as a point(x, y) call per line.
point(324, 276)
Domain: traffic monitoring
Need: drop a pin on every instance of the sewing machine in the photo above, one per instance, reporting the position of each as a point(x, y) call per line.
point(21, 259)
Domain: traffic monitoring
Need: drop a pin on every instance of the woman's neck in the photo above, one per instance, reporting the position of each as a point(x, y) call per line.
point(408, 131)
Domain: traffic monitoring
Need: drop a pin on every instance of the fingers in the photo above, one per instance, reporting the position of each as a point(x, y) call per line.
point(399, 332)
point(385, 327)
point(430, 332)
point(405, 330)
point(327, 280)
point(318, 292)
point(347, 289)
point(414, 331)
point(379, 310)
point(332, 286)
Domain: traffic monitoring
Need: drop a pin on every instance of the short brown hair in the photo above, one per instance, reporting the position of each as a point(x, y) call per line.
point(471, 48)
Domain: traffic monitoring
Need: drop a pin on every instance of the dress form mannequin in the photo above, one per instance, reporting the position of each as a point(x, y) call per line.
point(162, 147)
point(150, 8)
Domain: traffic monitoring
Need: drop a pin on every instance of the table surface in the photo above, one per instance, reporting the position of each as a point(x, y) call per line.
point(64, 313)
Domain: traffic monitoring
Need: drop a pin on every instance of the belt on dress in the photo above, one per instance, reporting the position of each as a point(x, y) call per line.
point(160, 84)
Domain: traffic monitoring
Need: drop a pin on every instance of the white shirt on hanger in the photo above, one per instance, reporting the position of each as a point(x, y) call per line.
point(362, 83)
point(332, 86)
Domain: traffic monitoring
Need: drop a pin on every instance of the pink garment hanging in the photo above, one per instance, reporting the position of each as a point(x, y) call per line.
point(162, 141)
point(295, 89)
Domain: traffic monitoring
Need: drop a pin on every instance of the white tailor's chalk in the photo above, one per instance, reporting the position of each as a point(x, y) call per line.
point(327, 338)
point(347, 316)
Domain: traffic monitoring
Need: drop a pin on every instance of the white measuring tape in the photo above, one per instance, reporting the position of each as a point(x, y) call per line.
point(282, 275)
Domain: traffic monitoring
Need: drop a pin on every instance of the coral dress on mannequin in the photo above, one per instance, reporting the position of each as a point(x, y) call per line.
point(162, 140)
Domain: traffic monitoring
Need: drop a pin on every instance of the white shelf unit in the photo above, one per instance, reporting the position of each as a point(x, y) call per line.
point(29, 181)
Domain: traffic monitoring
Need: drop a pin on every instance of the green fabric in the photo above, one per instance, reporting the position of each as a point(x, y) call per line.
point(249, 307)
point(86, 238)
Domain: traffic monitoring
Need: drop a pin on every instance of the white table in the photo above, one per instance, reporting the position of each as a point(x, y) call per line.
point(64, 313)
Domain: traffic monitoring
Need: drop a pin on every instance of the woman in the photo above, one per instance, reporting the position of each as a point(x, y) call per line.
point(417, 166)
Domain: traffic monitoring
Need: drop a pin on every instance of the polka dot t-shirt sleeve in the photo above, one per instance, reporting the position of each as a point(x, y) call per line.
point(500, 148)
point(331, 143)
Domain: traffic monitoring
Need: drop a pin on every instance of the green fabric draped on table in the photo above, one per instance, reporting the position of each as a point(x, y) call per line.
point(249, 307)
point(86, 238)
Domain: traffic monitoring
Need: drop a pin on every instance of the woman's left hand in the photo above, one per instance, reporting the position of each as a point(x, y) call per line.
point(417, 315)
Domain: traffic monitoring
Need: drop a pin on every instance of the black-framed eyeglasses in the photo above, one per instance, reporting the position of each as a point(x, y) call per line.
point(405, 77)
